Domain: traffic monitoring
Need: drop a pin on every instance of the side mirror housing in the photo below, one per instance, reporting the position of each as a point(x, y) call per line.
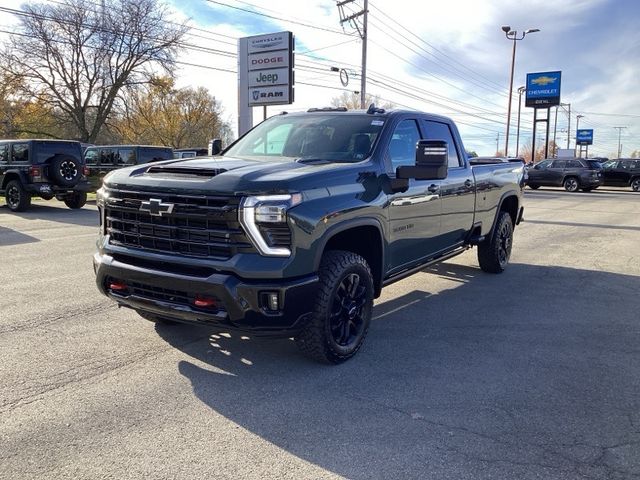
point(432, 161)
point(215, 146)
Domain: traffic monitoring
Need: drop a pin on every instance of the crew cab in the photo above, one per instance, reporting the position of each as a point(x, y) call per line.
point(297, 226)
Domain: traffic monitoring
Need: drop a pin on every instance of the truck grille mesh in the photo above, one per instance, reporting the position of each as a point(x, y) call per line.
point(196, 226)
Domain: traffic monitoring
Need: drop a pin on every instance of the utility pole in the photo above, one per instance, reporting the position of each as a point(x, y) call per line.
point(619, 139)
point(498, 143)
point(362, 31)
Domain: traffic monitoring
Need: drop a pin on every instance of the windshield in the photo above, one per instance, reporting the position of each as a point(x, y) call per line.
point(333, 137)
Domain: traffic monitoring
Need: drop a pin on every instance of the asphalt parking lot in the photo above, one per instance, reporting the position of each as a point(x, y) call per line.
point(464, 375)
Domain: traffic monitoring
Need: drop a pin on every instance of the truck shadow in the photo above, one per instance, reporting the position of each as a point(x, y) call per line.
point(534, 372)
point(86, 216)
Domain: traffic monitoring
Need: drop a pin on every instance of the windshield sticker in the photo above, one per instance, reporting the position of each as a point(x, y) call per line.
point(377, 123)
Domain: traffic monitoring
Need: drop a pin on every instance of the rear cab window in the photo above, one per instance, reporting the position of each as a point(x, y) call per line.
point(441, 131)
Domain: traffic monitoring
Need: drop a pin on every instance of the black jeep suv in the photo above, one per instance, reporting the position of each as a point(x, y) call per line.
point(45, 168)
point(571, 173)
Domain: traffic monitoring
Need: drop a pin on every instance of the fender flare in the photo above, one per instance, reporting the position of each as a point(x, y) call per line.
point(348, 225)
point(11, 174)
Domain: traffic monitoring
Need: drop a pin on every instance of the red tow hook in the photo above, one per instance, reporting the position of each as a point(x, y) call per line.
point(117, 286)
point(204, 302)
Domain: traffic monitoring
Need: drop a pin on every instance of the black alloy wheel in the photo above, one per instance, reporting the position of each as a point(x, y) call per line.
point(346, 321)
point(17, 198)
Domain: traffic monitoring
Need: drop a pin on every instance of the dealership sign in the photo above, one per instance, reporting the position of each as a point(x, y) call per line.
point(266, 68)
point(584, 137)
point(543, 89)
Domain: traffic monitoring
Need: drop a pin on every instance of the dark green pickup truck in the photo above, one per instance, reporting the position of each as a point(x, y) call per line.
point(298, 225)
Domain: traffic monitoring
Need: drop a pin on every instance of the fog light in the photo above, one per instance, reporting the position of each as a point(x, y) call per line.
point(273, 301)
point(204, 302)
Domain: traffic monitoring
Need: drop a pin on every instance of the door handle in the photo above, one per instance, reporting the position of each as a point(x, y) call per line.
point(468, 183)
point(433, 188)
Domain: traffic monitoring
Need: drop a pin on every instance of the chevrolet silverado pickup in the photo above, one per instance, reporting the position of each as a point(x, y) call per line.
point(297, 226)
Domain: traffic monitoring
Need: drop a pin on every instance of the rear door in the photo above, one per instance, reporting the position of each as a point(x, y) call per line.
point(555, 173)
point(414, 215)
point(457, 191)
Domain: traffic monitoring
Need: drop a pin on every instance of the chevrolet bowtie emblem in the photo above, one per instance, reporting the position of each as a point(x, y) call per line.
point(156, 208)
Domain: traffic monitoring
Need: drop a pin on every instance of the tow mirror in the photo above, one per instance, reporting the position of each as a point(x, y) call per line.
point(432, 160)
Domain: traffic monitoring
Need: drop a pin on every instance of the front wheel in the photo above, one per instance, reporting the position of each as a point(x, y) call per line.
point(342, 311)
point(570, 184)
point(635, 184)
point(75, 200)
point(18, 199)
point(494, 252)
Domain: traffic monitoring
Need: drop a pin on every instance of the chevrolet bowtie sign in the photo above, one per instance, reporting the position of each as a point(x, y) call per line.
point(543, 89)
point(266, 68)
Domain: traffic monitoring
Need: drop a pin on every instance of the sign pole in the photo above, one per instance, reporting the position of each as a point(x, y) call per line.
point(533, 136)
point(245, 112)
point(546, 143)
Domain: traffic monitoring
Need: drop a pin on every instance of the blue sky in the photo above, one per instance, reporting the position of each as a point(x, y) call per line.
point(445, 57)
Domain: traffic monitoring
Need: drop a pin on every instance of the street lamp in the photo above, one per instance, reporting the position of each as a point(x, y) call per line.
point(520, 92)
point(513, 35)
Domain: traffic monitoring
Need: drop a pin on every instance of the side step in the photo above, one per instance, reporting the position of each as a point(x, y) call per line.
point(476, 239)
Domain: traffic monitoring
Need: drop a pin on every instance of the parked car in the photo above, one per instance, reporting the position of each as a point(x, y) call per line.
point(622, 172)
point(44, 168)
point(189, 152)
point(105, 158)
point(571, 173)
point(298, 226)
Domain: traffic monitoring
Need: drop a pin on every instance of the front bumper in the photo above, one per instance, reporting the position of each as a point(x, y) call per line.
point(240, 303)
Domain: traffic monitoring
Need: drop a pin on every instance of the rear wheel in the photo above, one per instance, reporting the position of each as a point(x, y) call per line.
point(75, 200)
point(343, 307)
point(571, 184)
point(635, 184)
point(494, 252)
point(18, 199)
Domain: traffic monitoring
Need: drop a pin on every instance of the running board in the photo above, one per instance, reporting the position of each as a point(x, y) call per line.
point(407, 273)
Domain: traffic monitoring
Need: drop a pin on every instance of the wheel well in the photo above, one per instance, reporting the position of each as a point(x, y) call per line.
point(8, 178)
point(510, 205)
point(366, 241)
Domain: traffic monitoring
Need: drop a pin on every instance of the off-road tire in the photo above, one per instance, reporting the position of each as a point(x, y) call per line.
point(65, 170)
point(331, 317)
point(17, 198)
point(494, 252)
point(75, 200)
point(571, 184)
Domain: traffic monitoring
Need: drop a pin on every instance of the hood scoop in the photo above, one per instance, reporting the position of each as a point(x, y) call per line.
point(183, 172)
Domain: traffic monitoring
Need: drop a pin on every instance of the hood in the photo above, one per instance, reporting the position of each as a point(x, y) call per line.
point(236, 176)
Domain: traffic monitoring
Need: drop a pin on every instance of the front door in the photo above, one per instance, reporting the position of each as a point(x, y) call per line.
point(414, 215)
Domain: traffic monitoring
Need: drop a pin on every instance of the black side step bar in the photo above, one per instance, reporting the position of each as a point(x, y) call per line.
point(411, 271)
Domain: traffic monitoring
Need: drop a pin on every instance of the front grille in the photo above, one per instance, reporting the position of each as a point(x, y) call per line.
point(195, 226)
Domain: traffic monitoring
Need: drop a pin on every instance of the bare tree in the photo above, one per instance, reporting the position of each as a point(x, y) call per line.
point(351, 100)
point(77, 56)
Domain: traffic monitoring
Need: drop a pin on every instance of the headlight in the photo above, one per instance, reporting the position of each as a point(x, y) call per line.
point(260, 214)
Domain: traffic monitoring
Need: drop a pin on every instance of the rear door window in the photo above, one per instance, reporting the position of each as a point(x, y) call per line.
point(20, 153)
point(574, 164)
point(147, 154)
point(126, 156)
point(107, 156)
point(559, 164)
point(441, 131)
